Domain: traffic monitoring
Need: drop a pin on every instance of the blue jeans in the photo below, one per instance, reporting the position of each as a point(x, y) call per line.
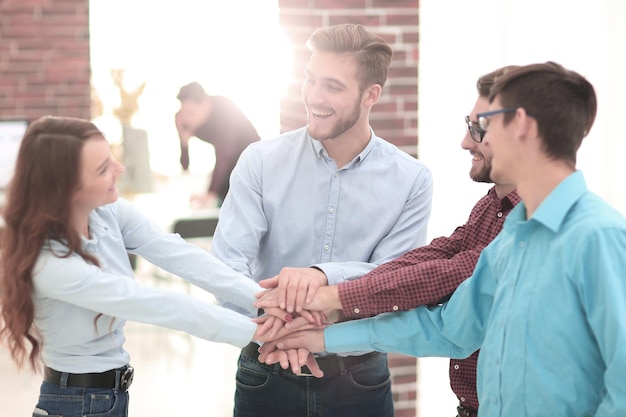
point(66, 401)
point(269, 391)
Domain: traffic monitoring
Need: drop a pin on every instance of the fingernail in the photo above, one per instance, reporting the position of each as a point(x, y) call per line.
point(288, 318)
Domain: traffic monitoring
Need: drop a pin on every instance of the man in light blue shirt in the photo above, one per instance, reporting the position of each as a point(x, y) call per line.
point(321, 205)
point(547, 300)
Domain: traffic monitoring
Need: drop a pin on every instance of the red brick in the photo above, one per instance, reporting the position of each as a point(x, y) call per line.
point(409, 19)
point(392, 4)
point(343, 4)
point(369, 21)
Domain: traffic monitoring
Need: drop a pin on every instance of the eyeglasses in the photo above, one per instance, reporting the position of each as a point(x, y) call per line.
point(476, 133)
point(483, 118)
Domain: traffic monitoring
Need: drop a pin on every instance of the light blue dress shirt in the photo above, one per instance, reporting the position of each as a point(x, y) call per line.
point(289, 205)
point(69, 293)
point(548, 296)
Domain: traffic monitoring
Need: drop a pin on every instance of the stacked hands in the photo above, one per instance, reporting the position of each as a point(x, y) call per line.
point(297, 305)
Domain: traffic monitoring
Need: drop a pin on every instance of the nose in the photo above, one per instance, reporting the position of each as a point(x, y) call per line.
point(120, 169)
point(468, 143)
point(311, 93)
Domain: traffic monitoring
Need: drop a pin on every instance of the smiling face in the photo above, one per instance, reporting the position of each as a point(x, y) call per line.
point(481, 152)
point(505, 155)
point(98, 175)
point(332, 95)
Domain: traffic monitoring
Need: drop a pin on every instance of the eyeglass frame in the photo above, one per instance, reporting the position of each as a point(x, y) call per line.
point(483, 118)
point(474, 130)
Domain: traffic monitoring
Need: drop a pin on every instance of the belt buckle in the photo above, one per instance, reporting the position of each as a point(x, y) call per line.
point(126, 379)
point(307, 372)
point(304, 374)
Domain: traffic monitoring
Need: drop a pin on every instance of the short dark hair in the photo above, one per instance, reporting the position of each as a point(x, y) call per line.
point(485, 82)
point(562, 101)
point(192, 91)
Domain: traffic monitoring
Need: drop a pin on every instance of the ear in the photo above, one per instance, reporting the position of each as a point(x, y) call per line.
point(526, 124)
point(372, 94)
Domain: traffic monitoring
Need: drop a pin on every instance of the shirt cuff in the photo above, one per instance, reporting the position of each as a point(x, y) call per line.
point(236, 329)
point(347, 337)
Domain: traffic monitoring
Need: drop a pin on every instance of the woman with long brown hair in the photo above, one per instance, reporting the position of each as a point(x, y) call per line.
point(66, 282)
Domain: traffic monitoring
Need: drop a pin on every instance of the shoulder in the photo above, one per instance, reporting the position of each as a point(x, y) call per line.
point(593, 214)
point(398, 156)
point(279, 145)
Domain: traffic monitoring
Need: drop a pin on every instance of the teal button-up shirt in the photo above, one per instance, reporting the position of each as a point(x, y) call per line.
point(546, 304)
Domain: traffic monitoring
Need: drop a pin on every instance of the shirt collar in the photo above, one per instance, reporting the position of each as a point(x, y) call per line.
point(320, 151)
point(553, 209)
point(508, 201)
point(97, 227)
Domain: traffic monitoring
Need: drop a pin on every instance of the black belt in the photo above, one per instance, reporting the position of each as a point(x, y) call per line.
point(466, 412)
point(331, 365)
point(93, 380)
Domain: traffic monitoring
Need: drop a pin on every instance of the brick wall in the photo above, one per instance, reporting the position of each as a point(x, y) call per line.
point(394, 117)
point(44, 58)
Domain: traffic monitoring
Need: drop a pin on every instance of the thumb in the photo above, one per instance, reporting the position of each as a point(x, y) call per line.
point(269, 282)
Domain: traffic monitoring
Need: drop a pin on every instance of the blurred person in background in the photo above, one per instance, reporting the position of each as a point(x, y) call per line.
point(218, 121)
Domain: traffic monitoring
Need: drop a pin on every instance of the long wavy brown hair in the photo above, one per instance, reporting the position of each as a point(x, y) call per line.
point(38, 208)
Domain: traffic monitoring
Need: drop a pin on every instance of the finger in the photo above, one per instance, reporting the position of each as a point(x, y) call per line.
point(283, 359)
point(266, 352)
point(264, 327)
point(301, 295)
point(312, 292)
point(278, 313)
point(291, 292)
point(269, 282)
point(299, 323)
point(313, 366)
point(292, 354)
point(268, 298)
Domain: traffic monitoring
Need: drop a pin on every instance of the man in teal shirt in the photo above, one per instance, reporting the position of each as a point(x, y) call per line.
point(547, 300)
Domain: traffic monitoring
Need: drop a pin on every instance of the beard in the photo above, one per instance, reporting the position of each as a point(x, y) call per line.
point(340, 126)
point(483, 174)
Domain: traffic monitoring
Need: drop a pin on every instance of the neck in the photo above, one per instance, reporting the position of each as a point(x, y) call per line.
point(81, 223)
point(346, 147)
point(502, 190)
point(540, 181)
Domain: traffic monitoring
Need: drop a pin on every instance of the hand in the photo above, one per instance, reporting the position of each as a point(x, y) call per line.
point(324, 308)
point(184, 134)
point(296, 286)
point(296, 358)
point(311, 340)
point(303, 318)
point(277, 323)
point(272, 325)
point(203, 201)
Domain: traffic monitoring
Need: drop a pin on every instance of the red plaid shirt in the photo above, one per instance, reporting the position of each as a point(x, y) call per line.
point(429, 275)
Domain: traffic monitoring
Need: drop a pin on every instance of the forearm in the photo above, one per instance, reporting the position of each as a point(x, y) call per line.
point(423, 276)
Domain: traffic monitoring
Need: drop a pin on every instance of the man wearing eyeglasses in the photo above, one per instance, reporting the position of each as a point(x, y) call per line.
point(547, 300)
point(431, 273)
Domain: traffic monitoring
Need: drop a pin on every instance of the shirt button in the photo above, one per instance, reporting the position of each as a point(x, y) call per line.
point(394, 308)
point(331, 211)
point(499, 214)
point(357, 311)
point(456, 367)
point(462, 399)
point(326, 247)
point(522, 244)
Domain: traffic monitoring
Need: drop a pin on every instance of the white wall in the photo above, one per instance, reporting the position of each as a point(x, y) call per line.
point(462, 40)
